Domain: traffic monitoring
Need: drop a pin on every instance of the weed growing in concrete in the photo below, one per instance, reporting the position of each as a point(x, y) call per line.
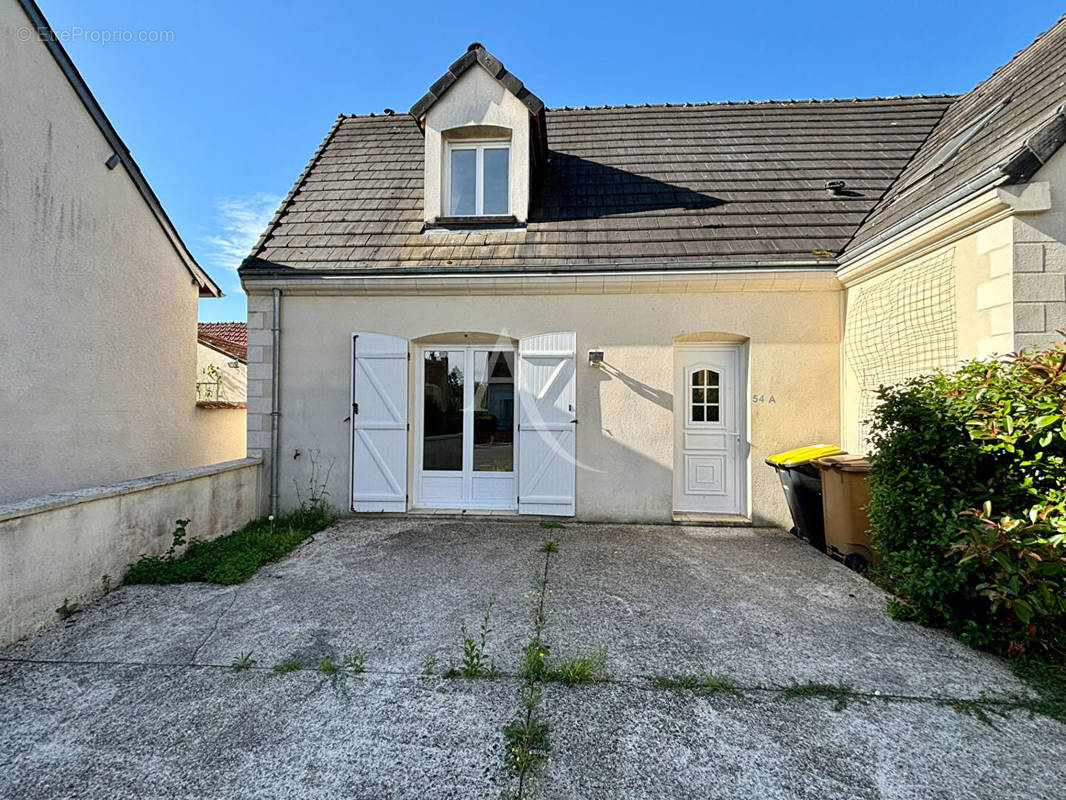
point(585, 667)
point(291, 664)
point(550, 523)
point(243, 662)
point(105, 584)
point(235, 557)
point(841, 694)
point(1049, 682)
point(355, 662)
point(526, 738)
point(429, 664)
point(705, 683)
point(327, 666)
point(68, 609)
point(476, 661)
point(316, 498)
point(534, 660)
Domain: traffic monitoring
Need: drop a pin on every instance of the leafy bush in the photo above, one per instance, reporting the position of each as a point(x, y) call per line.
point(989, 436)
point(233, 558)
point(1024, 578)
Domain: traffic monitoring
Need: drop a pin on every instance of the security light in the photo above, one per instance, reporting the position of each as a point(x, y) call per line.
point(595, 358)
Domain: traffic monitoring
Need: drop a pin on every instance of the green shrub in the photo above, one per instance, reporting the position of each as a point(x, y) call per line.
point(233, 558)
point(988, 435)
point(1024, 579)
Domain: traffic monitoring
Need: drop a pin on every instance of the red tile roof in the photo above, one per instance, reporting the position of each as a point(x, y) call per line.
point(229, 337)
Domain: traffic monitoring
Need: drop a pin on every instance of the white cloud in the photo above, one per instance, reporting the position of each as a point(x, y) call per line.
point(241, 221)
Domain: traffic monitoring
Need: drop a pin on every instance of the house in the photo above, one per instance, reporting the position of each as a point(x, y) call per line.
point(617, 313)
point(221, 363)
point(98, 328)
point(102, 445)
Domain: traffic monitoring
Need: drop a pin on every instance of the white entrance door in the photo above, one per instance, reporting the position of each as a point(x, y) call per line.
point(547, 437)
point(465, 444)
point(710, 438)
point(379, 422)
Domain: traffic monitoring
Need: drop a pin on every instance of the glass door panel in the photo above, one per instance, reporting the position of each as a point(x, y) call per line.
point(493, 411)
point(442, 410)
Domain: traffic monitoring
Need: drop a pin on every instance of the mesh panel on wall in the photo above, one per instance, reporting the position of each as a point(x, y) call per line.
point(901, 327)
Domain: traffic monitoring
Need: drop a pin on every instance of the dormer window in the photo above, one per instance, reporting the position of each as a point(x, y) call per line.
point(478, 178)
point(486, 146)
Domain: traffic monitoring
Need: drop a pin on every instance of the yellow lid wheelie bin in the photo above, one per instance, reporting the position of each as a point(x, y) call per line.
point(802, 484)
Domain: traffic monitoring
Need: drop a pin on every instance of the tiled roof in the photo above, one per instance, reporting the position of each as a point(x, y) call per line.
point(1016, 139)
point(624, 186)
point(476, 54)
point(230, 338)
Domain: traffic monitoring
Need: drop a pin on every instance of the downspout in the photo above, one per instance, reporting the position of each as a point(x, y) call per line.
point(275, 377)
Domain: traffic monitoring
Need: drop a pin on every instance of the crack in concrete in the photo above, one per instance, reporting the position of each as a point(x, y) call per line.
point(214, 628)
point(540, 622)
point(635, 684)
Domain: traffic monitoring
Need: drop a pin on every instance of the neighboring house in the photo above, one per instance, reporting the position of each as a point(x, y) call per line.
point(222, 363)
point(619, 312)
point(100, 293)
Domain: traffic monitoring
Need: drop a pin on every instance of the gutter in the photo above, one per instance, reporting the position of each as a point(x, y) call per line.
point(984, 181)
point(275, 393)
point(251, 273)
point(1018, 167)
point(45, 34)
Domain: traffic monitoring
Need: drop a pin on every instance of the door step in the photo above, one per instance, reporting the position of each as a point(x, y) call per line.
point(720, 520)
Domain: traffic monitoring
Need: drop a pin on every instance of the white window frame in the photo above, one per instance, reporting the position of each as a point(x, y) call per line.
point(480, 146)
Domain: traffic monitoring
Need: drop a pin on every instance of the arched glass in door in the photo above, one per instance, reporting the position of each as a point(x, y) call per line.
point(705, 406)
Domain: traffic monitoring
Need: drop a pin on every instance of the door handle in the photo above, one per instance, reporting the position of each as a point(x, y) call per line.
point(573, 422)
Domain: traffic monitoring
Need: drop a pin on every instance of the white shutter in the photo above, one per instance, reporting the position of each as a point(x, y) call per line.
point(379, 422)
point(547, 423)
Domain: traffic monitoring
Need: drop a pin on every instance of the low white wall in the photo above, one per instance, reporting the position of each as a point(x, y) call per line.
point(61, 546)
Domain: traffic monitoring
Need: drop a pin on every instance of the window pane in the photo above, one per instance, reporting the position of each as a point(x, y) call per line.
point(699, 378)
point(496, 174)
point(493, 411)
point(712, 378)
point(464, 183)
point(697, 413)
point(697, 395)
point(712, 413)
point(712, 395)
point(442, 434)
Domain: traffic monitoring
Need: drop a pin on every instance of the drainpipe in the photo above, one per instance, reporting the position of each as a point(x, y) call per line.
point(275, 377)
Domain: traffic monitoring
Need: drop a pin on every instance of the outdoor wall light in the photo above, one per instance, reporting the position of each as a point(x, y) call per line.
point(595, 358)
point(112, 161)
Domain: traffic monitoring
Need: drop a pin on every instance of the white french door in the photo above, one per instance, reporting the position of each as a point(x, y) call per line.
point(465, 449)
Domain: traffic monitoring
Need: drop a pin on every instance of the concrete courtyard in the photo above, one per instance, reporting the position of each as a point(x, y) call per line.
point(136, 697)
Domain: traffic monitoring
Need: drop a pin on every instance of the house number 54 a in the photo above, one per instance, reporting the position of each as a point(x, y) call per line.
point(762, 398)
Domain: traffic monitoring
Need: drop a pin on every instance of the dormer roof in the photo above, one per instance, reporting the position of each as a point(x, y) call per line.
point(476, 54)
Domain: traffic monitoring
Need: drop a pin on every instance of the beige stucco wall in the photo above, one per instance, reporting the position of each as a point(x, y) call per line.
point(98, 330)
point(625, 435)
point(477, 99)
point(982, 313)
point(221, 433)
point(61, 547)
point(234, 378)
point(1040, 263)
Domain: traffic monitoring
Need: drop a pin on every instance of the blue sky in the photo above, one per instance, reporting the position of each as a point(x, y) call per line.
point(224, 116)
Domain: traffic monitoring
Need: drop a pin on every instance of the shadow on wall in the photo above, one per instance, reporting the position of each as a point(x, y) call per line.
point(658, 396)
point(575, 188)
point(619, 483)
